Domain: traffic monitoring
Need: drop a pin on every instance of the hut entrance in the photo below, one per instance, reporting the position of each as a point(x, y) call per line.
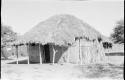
point(47, 54)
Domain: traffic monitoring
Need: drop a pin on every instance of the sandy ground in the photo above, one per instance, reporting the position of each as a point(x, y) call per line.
point(53, 72)
point(43, 72)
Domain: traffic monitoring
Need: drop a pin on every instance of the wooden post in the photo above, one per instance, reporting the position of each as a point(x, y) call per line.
point(54, 52)
point(68, 55)
point(43, 56)
point(17, 53)
point(28, 53)
point(79, 50)
point(88, 55)
point(40, 54)
point(53, 55)
point(80, 55)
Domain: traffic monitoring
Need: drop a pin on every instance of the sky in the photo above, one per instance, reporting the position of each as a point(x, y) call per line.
point(22, 15)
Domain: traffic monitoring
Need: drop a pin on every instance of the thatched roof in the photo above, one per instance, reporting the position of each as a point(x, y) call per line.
point(60, 30)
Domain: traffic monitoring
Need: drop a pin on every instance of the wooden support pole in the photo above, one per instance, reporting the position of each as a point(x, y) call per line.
point(80, 55)
point(88, 55)
point(79, 50)
point(54, 52)
point(28, 53)
point(40, 54)
point(44, 60)
point(17, 54)
point(68, 55)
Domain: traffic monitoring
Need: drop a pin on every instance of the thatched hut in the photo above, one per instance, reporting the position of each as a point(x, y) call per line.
point(63, 38)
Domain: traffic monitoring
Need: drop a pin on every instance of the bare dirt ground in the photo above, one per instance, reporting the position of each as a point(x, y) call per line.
point(61, 71)
point(53, 72)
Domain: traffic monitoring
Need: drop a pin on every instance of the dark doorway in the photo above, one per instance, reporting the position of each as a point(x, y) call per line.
point(47, 54)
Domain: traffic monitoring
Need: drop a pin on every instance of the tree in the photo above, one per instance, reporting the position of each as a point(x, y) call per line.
point(118, 34)
point(7, 36)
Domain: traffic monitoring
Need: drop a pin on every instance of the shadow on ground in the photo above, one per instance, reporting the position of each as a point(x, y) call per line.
point(101, 71)
point(22, 62)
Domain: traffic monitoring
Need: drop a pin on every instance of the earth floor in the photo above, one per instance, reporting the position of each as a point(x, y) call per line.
point(61, 71)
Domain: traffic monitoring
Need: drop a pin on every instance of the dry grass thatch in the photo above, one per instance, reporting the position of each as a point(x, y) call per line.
point(60, 30)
